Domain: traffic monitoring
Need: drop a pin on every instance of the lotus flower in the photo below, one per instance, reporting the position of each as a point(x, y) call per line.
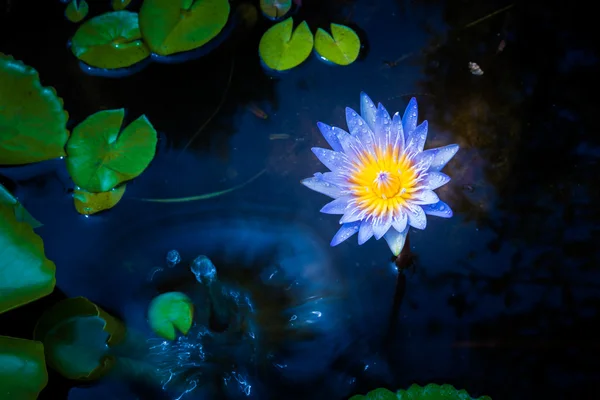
point(381, 179)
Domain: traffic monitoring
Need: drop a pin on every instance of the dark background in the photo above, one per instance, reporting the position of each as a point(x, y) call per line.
point(504, 297)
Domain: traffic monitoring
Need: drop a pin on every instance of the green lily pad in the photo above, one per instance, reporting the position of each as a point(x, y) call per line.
point(170, 311)
point(25, 272)
point(77, 10)
point(341, 47)
point(32, 119)
point(377, 394)
point(174, 26)
point(119, 5)
point(21, 213)
point(77, 335)
point(100, 156)
point(23, 372)
point(111, 40)
point(275, 9)
point(281, 50)
point(87, 203)
point(431, 391)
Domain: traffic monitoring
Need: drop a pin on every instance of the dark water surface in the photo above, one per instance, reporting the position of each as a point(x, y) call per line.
point(502, 299)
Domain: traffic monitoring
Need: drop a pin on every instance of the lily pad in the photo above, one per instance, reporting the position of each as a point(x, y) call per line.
point(170, 311)
point(23, 372)
point(88, 203)
point(275, 9)
point(431, 391)
point(174, 26)
point(100, 156)
point(25, 272)
point(111, 40)
point(281, 50)
point(77, 335)
point(32, 119)
point(119, 5)
point(341, 47)
point(21, 213)
point(77, 10)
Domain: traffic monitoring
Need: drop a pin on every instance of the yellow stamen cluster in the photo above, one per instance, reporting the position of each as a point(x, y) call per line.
point(382, 181)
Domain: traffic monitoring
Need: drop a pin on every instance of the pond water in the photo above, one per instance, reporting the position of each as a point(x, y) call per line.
point(500, 299)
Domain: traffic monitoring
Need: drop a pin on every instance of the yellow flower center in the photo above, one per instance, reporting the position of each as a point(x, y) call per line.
point(382, 182)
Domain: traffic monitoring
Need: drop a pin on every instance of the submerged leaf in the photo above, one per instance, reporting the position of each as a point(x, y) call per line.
point(23, 372)
point(100, 156)
point(281, 50)
point(341, 47)
point(25, 272)
point(77, 10)
point(77, 334)
point(119, 5)
point(275, 9)
point(21, 213)
point(32, 119)
point(170, 311)
point(88, 203)
point(111, 40)
point(174, 26)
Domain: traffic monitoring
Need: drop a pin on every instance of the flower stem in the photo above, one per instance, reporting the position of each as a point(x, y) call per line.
point(402, 263)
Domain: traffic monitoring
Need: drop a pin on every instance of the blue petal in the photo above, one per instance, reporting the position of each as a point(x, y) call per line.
point(416, 216)
point(333, 160)
point(367, 110)
point(397, 133)
point(350, 144)
point(337, 206)
point(359, 128)
point(400, 221)
point(434, 180)
point(383, 127)
point(396, 240)
point(441, 156)
point(381, 226)
point(366, 231)
point(416, 139)
point(336, 179)
point(425, 196)
point(423, 160)
point(409, 120)
point(319, 184)
point(329, 135)
point(346, 231)
point(440, 209)
point(353, 214)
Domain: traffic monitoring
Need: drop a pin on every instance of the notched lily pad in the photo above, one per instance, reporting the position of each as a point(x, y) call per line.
point(77, 334)
point(21, 213)
point(174, 26)
point(275, 9)
point(25, 272)
point(101, 156)
point(280, 49)
point(171, 311)
point(341, 47)
point(111, 40)
point(32, 119)
point(87, 203)
point(23, 372)
point(77, 10)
